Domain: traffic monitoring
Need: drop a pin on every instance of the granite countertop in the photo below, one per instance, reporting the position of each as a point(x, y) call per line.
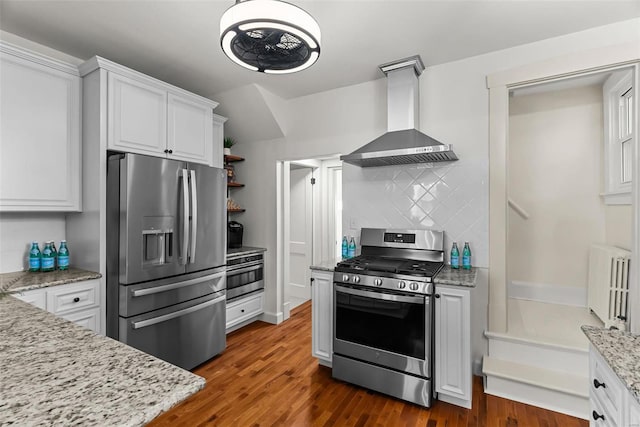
point(621, 351)
point(326, 265)
point(55, 372)
point(244, 250)
point(456, 277)
point(25, 280)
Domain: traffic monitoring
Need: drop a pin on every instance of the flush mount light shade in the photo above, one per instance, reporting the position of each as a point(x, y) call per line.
point(270, 36)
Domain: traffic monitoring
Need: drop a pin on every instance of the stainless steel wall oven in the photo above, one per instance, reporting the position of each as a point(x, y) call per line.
point(245, 274)
point(384, 316)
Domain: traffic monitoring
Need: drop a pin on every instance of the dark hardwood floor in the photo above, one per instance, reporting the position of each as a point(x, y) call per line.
point(267, 377)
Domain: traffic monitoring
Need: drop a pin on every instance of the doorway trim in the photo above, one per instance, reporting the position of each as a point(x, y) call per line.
point(499, 85)
point(319, 196)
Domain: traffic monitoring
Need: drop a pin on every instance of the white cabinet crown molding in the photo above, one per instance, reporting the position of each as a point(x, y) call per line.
point(38, 58)
point(98, 62)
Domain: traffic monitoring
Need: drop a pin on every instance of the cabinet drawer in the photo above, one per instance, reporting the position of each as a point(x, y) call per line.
point(244, 309)
point(609, 391)
point(73, 297)
point(89, 319)
point(35, 297)
point(604, 418)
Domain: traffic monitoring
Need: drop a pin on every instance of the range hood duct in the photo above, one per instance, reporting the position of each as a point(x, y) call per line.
point(403, 143)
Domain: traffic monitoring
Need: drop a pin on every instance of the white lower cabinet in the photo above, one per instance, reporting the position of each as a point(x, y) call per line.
point(243, 309)
point(322, 315)
point(77, 302)
point(611, 403)
point(453, 375)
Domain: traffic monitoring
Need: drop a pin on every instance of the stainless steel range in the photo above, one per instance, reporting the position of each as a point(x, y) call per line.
point(383, 313)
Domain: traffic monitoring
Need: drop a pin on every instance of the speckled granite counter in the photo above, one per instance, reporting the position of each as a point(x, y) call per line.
point(326, 265)
point(621, 351)
point(25, 280)
point(456, 277)
point(55, 372)
point(244, 250)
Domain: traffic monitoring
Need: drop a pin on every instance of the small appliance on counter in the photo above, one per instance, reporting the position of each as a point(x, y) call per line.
point(234, 234)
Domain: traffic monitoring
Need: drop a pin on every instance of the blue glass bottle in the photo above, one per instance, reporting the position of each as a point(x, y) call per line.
point(345, 247)
point(455, 256)
point(466, 256)
point(63, 256)
point(351, 250)
point(34, 257)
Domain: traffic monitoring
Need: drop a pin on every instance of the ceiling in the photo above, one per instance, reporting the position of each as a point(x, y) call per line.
point(178, 41)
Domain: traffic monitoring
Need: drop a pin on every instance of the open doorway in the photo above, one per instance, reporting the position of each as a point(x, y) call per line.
point(309, 223)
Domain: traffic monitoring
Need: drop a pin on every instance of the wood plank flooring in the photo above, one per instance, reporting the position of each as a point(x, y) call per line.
point(267, 377)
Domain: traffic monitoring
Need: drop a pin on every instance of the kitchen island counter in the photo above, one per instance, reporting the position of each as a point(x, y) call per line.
point(55, 372)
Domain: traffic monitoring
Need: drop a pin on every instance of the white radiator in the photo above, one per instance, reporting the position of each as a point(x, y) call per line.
point(608, 291)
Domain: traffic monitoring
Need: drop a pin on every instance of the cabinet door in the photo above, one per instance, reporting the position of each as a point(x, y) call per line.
point(190, 136)
point(322, 315)
point(35, 297)
point(634, 411)
point(89, 319)
point(453, 345)
point(218, 138)
point(39, 135)
point(137, 116)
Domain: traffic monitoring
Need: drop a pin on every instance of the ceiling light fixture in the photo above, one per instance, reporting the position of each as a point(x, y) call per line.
point(270, 36)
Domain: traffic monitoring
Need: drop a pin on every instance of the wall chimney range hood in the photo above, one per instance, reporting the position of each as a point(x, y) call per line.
point(402, 143)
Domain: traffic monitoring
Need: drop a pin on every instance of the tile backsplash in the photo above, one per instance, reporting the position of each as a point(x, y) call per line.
point(451, 196)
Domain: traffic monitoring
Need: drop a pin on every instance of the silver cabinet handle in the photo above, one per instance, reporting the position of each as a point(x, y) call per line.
point(179, 313)
point(380, 295)
point(185, 215)
point(194, 217)
point(171, 286)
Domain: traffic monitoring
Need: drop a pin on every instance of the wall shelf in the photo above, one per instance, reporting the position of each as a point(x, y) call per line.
point(229, 158)
point(234, 184)
point(235, 210)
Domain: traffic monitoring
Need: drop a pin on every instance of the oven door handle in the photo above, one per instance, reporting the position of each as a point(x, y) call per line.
point(245, 269)
point(381, 295)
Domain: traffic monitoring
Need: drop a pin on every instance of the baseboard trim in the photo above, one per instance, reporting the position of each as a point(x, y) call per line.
point(273, 318)
point(552, 294)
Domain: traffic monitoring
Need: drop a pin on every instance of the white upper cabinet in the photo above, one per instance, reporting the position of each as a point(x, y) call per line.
point(39, 132)
point(190, 135)
point(137, 116)
point(148, 116)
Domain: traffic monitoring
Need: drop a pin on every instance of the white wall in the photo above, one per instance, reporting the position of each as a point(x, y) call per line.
point(18, 230)
point(454, 109)
point(618, 226)
point(555, 174)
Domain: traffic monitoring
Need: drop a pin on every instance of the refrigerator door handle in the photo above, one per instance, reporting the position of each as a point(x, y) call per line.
point(185, 215)
point(194, 217)
point(179, 313)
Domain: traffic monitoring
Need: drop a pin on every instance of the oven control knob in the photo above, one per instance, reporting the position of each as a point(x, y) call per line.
point(345, 277)
point(413, 286)
point(402, 284)
point(377, 282)
point(356, 279)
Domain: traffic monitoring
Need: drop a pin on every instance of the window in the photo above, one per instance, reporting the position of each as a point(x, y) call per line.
point(619, 134)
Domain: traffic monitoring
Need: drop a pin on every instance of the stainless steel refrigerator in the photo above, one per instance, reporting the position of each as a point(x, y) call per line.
point(166, 248)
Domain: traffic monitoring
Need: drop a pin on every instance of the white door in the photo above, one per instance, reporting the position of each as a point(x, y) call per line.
point(298, 289)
